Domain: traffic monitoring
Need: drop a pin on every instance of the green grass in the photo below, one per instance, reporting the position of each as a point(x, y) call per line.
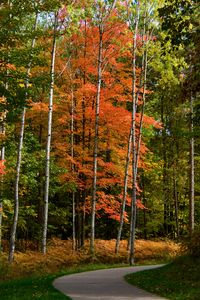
point(30, 288)
point(33, 288)
point(179, 280)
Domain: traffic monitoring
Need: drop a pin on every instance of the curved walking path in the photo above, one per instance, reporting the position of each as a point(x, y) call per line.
point(106, 284)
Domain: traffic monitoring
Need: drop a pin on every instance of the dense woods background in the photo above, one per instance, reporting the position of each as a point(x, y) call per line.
point(99, 109)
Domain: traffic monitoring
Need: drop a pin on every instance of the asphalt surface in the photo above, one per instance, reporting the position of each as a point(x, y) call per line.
point(107, 284)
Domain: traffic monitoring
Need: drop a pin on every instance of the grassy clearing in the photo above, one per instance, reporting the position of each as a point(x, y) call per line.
point(179, 280)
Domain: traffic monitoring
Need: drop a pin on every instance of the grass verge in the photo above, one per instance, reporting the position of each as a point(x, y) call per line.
point(33, 288)
point(30, 288)
point(179, 280)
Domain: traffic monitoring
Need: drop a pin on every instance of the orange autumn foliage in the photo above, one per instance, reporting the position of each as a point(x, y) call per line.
point(76, 77)
point(2, 167)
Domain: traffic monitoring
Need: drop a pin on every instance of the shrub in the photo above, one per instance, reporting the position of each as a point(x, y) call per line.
point(192, 243)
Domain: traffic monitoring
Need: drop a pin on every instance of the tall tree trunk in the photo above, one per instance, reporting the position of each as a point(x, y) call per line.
point(134, 177)
point(124, 193)
point(19, 156)
point(191, 210)
point(95, 153)
point(94, 186)
point(73, 169)
point(48, 145)
point(142, 83)
point(143, 106)
point(141, 118)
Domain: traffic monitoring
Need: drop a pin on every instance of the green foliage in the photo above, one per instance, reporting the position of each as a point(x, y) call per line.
point(176, 16)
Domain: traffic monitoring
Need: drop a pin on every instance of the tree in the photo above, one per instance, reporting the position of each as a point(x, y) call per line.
point(180, 21)
point(101, 19)
point(49, 133)
point(19, 155)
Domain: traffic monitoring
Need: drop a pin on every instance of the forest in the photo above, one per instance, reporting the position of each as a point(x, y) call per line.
point(99, 121)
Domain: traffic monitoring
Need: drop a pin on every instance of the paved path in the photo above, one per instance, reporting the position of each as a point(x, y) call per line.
point(105, 284)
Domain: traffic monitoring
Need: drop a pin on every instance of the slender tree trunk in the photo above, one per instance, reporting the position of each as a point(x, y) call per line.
point(96, 135)
point(142, 75)
point(124, 192)
point(48, 145)
point(94, 186)
point(191, 210)
point(19, 156)
point(73, 169)
point(134, 177)
point(140, 131)
point(142, 83)
point(143, 108)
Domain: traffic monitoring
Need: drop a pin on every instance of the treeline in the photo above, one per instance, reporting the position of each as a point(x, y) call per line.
point(99, 121)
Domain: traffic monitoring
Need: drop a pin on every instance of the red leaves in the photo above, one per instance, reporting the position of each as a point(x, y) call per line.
point(140, 205)
point(108, 205)
point(77, 88)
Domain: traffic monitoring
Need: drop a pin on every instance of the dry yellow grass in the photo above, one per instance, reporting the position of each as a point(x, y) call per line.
point(60, 256)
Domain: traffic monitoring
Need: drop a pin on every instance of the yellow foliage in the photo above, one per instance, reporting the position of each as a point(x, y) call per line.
point(61, 256)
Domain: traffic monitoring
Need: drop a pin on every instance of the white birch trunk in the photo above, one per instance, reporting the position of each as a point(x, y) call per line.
point(19, 156)
point(97, 107)
point(134, 177)
point(48, 145)
point(143, 108)
point(94, 187)
point(142, 83)
point(124, 192)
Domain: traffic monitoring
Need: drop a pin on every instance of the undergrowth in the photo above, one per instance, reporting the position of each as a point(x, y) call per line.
point(60, 256)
